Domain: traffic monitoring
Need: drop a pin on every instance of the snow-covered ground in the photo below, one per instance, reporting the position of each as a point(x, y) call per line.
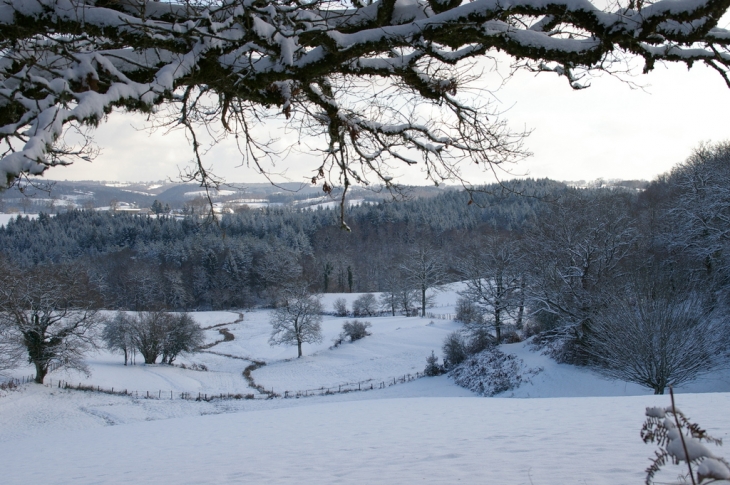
point(576, 428)
point(4, 218)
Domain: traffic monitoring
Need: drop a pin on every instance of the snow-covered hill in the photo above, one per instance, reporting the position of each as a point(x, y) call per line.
point(577, 427)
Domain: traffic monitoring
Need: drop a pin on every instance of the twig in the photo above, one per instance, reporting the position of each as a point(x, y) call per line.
point(681, 436)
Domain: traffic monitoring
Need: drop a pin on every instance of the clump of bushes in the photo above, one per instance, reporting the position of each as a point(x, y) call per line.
point(491, 372)
point(432, 366)
point(194, 366)
point(564, 345)
point(511, 337)
point(365, 305)
point(9, 385)
point(153, 334)
point(455, 349)
point(352, 331)
point(458, 346)
point(468, 312)
point(474, 361)
point(355, 330)
point(340, 307)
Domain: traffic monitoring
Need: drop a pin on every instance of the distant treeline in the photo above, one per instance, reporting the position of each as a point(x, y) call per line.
point(243, 259)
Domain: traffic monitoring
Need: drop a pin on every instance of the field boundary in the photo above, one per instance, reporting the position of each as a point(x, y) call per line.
point(159, 394)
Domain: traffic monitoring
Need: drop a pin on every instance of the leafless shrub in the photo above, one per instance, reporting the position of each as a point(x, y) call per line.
point(657, 341)
point(340, 307)
point(365, 305)
point(355, 330)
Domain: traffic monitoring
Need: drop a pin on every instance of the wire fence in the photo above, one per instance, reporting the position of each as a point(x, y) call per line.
point(13, 382)
point(441, 316)
point(367, 385)
point(17, 381)
point(264, 393)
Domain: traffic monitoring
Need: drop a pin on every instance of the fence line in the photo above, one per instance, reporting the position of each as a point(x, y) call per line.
point(441, 316)
point(13, 382)
point(367, 385)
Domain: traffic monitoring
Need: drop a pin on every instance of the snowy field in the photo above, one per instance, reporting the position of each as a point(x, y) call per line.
point(575, 428)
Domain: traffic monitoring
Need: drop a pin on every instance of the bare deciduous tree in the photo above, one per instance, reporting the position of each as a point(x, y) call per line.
point(183, 335)
point(118, 335)
point(700, 216)
point(493, 272)
point(340, 307)
point(424, 269)
point(397, 295)
point(148, 334)
point(160, 333)
point(578, 258)
point(657, 340)
point(297, 320)
point(47, 313)
point(11, 353)
point(365, 305)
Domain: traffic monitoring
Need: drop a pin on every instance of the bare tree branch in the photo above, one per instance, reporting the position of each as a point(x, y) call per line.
point(379, 84)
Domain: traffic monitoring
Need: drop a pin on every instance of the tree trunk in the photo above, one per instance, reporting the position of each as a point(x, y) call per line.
point(299, 348)
point(149, 357)
point(498, 324)
point(40, 372)
point(498, 309)
point(423, 300)
point(521, 309)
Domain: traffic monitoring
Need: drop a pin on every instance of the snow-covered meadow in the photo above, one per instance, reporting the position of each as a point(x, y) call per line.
point(576, 427)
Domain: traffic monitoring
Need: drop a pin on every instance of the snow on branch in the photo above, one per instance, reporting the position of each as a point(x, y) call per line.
point(380, 82)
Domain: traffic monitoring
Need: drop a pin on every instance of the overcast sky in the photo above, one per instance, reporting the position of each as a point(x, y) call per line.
point(607, 131)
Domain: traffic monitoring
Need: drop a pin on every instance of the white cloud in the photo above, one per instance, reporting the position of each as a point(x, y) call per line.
point(607, 131)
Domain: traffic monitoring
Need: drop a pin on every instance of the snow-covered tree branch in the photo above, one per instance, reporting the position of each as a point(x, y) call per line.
point(379, 83)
